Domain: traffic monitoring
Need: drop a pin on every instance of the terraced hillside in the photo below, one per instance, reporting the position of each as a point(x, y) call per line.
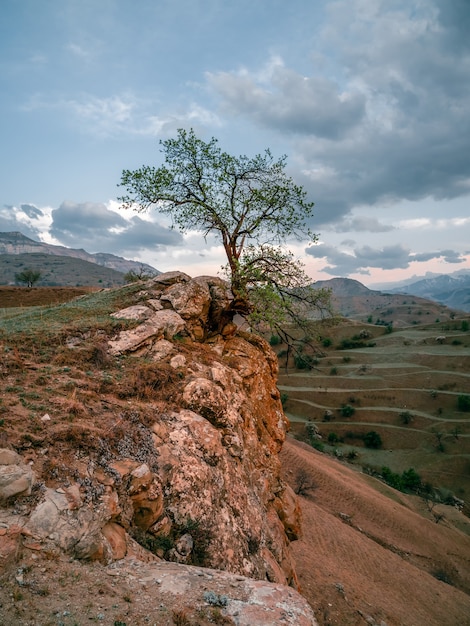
point(403, 385)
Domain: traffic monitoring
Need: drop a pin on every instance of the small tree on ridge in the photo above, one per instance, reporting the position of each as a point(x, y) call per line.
point(253, 206)
point(28, 276)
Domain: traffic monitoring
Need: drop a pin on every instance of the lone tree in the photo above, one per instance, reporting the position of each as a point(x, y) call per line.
point(29, 277)
point(253, 206)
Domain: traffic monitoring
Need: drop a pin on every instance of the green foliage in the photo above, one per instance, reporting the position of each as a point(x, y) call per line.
point(253, 207)
point(28, 276)
point(352, 343)
point(411, 480)
point(304, 361)
point(274, 340)
point(463, 403)
point(406, 417)
point(347, 410)
point(408, 481)
point(465, 326)
point(327, 342)
point(284, 398)
point(372, 440)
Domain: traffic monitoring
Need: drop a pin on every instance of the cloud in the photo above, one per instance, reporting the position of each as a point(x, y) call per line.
point(100, 229)
point(25, 219)
point(391, 124)
point(362, 224)
point(32, 211)
point(123, 114)
point(360, 260)
point(290, 102)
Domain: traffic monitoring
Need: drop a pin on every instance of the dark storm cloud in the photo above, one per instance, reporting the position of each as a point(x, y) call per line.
point(361, 259)
point(292, 103)
point(96, 228)
point(395, 126)
point(449, 256)
point(78, 224)
point(141, 234)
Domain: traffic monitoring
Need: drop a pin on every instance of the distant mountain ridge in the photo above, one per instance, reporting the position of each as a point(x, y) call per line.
point(353, 300)
point(450, 290)
point(16, 243)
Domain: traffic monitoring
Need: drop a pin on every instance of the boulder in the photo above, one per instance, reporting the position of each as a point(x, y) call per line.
point(16, 478)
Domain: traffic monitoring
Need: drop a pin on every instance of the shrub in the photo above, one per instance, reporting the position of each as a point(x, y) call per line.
point(275, 340)
point(347, 410)
point(304, 361)
point(304, 483)
point(327, 342)
point(408, 481)
point(406, 417)
point(372, 440)
point(333, 438)
point(463, 403)
point(411, 480)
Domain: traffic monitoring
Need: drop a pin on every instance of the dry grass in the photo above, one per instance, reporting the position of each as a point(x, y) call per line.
point(367, 551)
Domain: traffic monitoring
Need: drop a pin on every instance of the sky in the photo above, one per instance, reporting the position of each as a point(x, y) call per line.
point(368, 99)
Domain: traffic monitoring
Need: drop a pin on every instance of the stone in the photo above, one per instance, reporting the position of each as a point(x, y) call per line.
point(116, 537)
point(135, 312)
point(206, 398)
point(15, 479)
point(288, 509)
point(169, 278)
point(9, 457)
point(162, 324)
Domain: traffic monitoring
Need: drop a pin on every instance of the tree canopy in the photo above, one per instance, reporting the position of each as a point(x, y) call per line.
point(251, 204)
point(28, 276)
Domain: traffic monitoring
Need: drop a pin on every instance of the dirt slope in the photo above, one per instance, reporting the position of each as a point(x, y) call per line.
point(366, 553)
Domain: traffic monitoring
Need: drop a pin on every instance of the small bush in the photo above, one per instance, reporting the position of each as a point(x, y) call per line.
point(304, 483)
point(406, 417)
point(274, 340)
point(372, 440)
point(347, 410)
point(304, 361)
point(333, 438)
point(443, 575)
point(463, 403)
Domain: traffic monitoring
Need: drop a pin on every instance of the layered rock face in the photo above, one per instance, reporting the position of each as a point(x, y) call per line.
point(203, 486)
point(217, 463)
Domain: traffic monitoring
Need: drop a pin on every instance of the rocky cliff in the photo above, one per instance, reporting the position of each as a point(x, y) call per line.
point(185, 469)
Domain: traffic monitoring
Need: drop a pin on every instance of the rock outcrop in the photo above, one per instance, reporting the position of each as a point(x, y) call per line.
point(198, 483)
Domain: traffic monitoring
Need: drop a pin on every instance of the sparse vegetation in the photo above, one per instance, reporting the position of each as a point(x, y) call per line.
point(372, 439)
point(304, 483)
point(347, 410)
point(28, 276)
point(463, 403)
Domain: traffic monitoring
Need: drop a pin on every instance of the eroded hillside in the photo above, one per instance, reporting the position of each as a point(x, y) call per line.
point(137, 426)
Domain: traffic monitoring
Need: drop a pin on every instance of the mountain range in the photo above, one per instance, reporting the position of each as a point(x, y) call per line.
point(60, 265)
point(453, 290)
point(450, 290)
point(17, 243)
